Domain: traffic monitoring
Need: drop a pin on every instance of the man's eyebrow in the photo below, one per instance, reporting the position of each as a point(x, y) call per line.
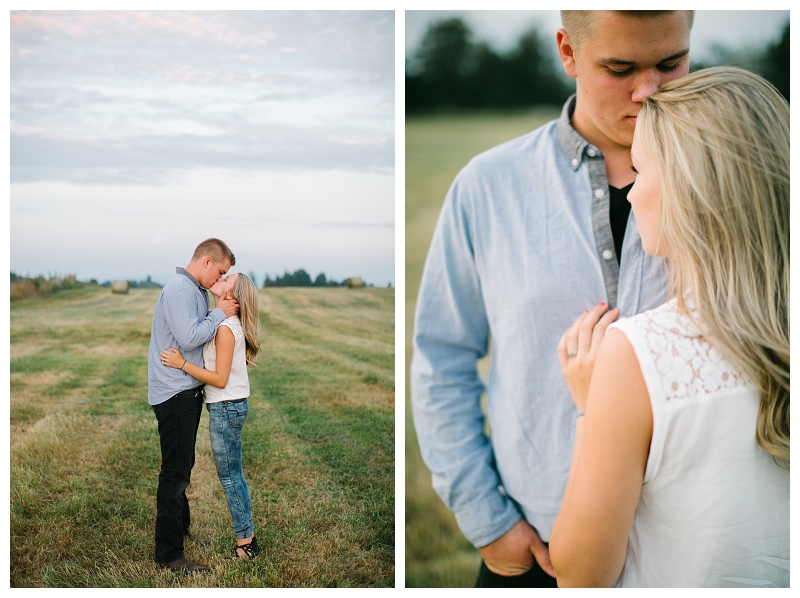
point(620, 61)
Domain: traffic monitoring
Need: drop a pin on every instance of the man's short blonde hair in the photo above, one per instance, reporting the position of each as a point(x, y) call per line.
point(580, 24)
point(217, 249)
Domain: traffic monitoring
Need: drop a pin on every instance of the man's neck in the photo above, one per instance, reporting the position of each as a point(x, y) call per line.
point(194, 270)
point(617, 157)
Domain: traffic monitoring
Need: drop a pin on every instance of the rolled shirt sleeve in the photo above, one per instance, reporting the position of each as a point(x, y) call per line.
point(183, 321)
point(451, 333)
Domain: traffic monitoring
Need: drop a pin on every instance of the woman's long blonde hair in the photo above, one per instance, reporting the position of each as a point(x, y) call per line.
point(246, 293)
point(719, 139)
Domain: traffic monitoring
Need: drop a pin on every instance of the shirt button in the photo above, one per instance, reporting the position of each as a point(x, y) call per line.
point(607, 254)
point(574, 162)
point(599, 193)
point(591, 152)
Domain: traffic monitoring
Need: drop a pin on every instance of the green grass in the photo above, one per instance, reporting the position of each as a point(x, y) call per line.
point(437, 554)
point(318, 446)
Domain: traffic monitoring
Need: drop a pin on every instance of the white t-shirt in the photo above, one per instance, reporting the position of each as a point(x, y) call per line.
point(238, 386)
point(714, 508)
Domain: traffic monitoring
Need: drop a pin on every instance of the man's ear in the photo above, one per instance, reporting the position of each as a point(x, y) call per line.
point(567, 53)
point(207, 260)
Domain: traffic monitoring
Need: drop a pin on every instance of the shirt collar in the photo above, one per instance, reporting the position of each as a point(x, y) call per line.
point(572, 144)
point(189, 276)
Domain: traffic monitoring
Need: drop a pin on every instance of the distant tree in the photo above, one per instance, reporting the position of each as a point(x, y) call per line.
point(320, 280)
point(774, 63)
point(267, 282)
point(487, 85)
point(443, 59)
point(299, 278)
point(771, 62)
point(533, 76)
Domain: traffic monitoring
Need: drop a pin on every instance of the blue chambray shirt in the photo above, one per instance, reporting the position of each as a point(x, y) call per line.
point(522, 247)
point(181, 319)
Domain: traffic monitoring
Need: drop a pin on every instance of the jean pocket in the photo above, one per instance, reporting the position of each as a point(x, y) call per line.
point(237, 412)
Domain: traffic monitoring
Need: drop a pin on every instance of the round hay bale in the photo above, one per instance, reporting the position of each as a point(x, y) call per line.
point(120, 286)
point(354, 283)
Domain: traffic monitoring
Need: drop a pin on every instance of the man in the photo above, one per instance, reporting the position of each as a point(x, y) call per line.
point(527, 239)
point(182, 320)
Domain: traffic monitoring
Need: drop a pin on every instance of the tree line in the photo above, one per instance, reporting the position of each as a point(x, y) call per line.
point(26, 287)
point(301, 278)
point(450, 70)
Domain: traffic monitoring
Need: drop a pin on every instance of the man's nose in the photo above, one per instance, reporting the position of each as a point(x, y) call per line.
point(646, 84)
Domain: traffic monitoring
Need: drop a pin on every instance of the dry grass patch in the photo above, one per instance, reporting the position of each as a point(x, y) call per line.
point(363, 395)
point(25, 347)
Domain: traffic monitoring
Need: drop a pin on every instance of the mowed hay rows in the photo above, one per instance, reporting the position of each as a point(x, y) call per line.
point(318, 445)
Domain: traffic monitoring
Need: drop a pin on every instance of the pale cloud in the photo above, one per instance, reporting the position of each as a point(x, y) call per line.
point(149, 118)
point(135, 95)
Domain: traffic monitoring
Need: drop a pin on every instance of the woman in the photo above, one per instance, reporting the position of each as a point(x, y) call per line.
point(679, 475)
point(226, 357)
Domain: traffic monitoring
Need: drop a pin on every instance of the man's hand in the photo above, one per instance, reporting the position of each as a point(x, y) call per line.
point(229, 305)
point(514, 552)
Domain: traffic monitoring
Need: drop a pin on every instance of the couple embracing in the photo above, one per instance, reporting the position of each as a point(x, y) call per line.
point(639, 385)
point(200, 356)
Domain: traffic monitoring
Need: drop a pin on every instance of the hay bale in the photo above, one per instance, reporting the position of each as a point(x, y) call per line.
point(354, 283)
point(120, 286)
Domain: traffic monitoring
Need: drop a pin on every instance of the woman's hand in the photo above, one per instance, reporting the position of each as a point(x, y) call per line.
point(172, 358)
point(577, 350)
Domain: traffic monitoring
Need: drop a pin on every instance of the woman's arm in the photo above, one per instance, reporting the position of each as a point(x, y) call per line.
point(225, 342)
point(590, 535)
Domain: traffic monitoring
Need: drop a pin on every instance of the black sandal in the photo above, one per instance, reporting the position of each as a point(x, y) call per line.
point(250, 549)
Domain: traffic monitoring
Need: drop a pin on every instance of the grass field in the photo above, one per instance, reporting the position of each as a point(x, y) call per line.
point(318, 445)
point(437, 554)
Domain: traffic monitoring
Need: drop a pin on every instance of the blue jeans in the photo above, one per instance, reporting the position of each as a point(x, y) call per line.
point(226, 419)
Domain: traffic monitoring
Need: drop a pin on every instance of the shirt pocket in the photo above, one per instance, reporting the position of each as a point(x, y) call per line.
point(237, 412)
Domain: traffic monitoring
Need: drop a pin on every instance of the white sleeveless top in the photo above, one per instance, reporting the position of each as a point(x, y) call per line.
point(714, 508)
point(238, 386)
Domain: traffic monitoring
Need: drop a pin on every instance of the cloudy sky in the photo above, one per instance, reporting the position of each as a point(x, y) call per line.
point(136, 135)
point(502, 28)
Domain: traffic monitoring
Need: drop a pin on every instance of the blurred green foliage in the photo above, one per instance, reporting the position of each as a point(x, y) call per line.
point(450, 70)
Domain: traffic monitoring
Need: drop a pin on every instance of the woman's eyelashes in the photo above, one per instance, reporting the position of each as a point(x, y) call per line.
point(633, 168)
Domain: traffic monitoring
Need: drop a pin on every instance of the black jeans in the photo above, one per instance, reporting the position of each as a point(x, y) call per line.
point(535, 577)
point(178, 420)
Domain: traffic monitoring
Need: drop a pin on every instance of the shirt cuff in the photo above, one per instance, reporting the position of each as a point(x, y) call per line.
point(484, 521)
